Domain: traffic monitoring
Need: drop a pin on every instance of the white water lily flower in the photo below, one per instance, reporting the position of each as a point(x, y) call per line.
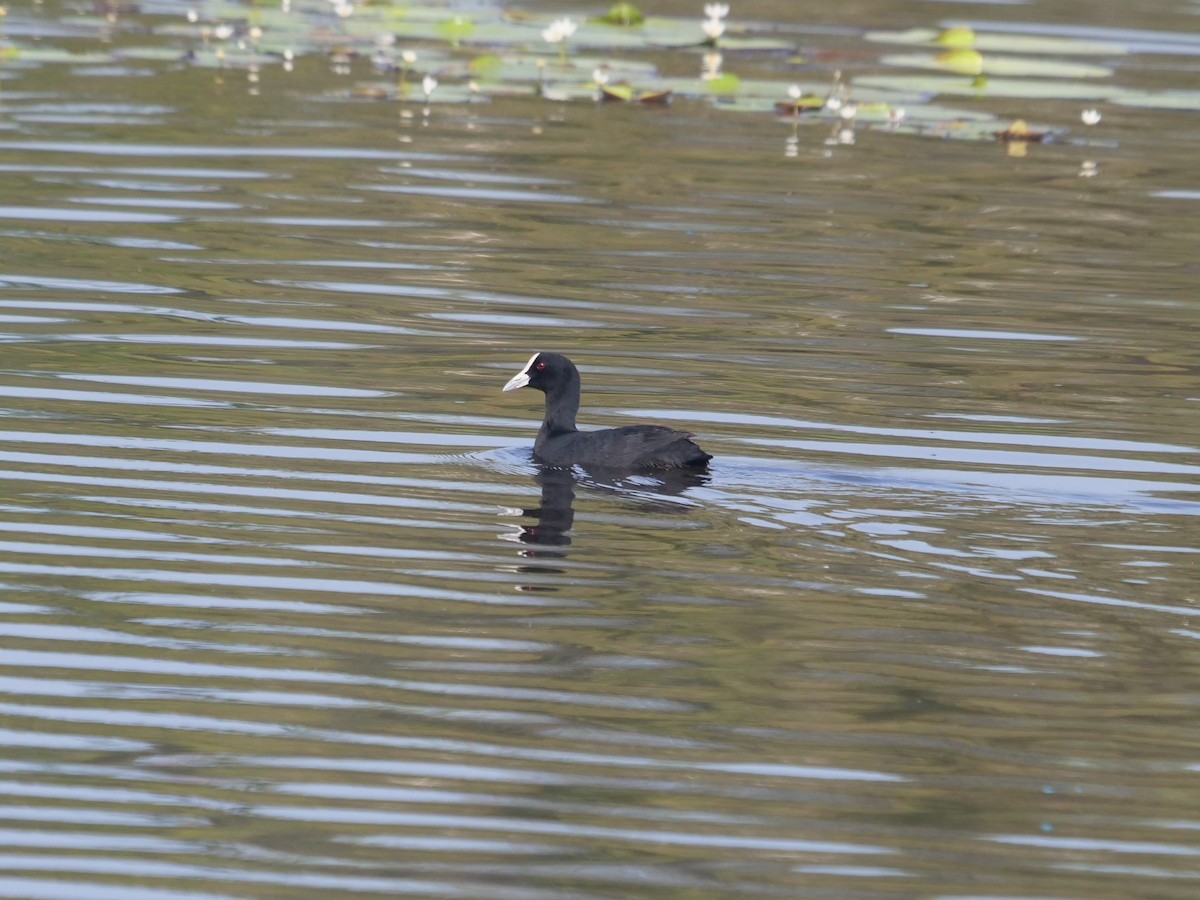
point(599, 76)
point(713, 28)
point(794, 92)
point(1090, 116)
point(428, 83)
point(716, 10)
point(711, 66)
point(558, 31)
point(409, 57)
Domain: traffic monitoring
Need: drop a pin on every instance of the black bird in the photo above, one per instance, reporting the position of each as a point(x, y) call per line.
point(631, 448)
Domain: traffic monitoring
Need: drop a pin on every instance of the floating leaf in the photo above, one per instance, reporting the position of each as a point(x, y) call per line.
point(963, 61)
point(972, 62)
point(623, 14)
point(456, 29)
point(55, 55)
point(723, 85)
point(1005, 43)
point(148, 54)
point(230, 58)
point(1017, 137)
point(1025, 89)
point(621, 93)
point(445, 93)
point(734, 43)
point(935, 115)
point(486, 67)
point(654, 98)
point(481, 33)
point(960, 37)
point(1185, 100)
point(533, 67)
point(1020, 131)
point(803, 104)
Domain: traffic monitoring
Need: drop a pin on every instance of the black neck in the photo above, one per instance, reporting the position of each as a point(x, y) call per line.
point(562, 402)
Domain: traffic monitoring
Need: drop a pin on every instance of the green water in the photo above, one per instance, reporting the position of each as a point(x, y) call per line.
point(290, 612)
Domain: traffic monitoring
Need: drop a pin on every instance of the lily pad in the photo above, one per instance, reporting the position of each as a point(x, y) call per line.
point(958, 129)
point(958, 36)
point(230, 58)
point(972, 62)
point(151, 54)
point(456, 29)
point(926, 115)
point(22, 53)
point(723, 85)
point(993, 42)
point(655, 31)
point(801, 105)
point(1184, 100)
point(624, 93)
point(412, 94)
point(507, 55)
point(622, 15)
point(752, 44)
point(535, 68)
point(961, 60)
point(1025, 89)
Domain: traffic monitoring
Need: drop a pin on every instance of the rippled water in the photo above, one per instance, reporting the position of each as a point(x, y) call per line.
point(289, 611)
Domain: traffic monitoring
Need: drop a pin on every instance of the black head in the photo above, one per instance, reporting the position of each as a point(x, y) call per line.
point(544, 371)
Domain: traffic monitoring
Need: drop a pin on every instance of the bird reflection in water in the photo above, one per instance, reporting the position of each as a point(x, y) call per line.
point(549, 531)
point(553, 518)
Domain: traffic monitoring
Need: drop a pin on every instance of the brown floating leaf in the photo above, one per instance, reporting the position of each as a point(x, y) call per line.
point(623, 93)
point(808, 104)
point(1020, 131)
point(616, 93)
point(655, 98)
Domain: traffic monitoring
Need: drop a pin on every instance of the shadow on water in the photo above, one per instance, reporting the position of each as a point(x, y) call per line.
point(551, 521)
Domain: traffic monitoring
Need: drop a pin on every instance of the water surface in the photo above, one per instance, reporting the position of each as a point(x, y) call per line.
point(290, 612)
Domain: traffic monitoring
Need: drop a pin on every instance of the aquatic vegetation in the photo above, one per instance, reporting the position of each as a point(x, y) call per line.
point(623, 14)
point(1018, 136)
point(473, 50)
point(557, 33)
point(713, 25)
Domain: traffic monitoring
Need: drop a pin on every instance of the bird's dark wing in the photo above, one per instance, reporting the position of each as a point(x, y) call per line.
point(630, 447)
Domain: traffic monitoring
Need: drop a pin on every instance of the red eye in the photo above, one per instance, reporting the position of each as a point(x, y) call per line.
point(540, 366)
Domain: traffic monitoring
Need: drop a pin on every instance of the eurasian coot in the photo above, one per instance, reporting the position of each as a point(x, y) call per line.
point(630, 448)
